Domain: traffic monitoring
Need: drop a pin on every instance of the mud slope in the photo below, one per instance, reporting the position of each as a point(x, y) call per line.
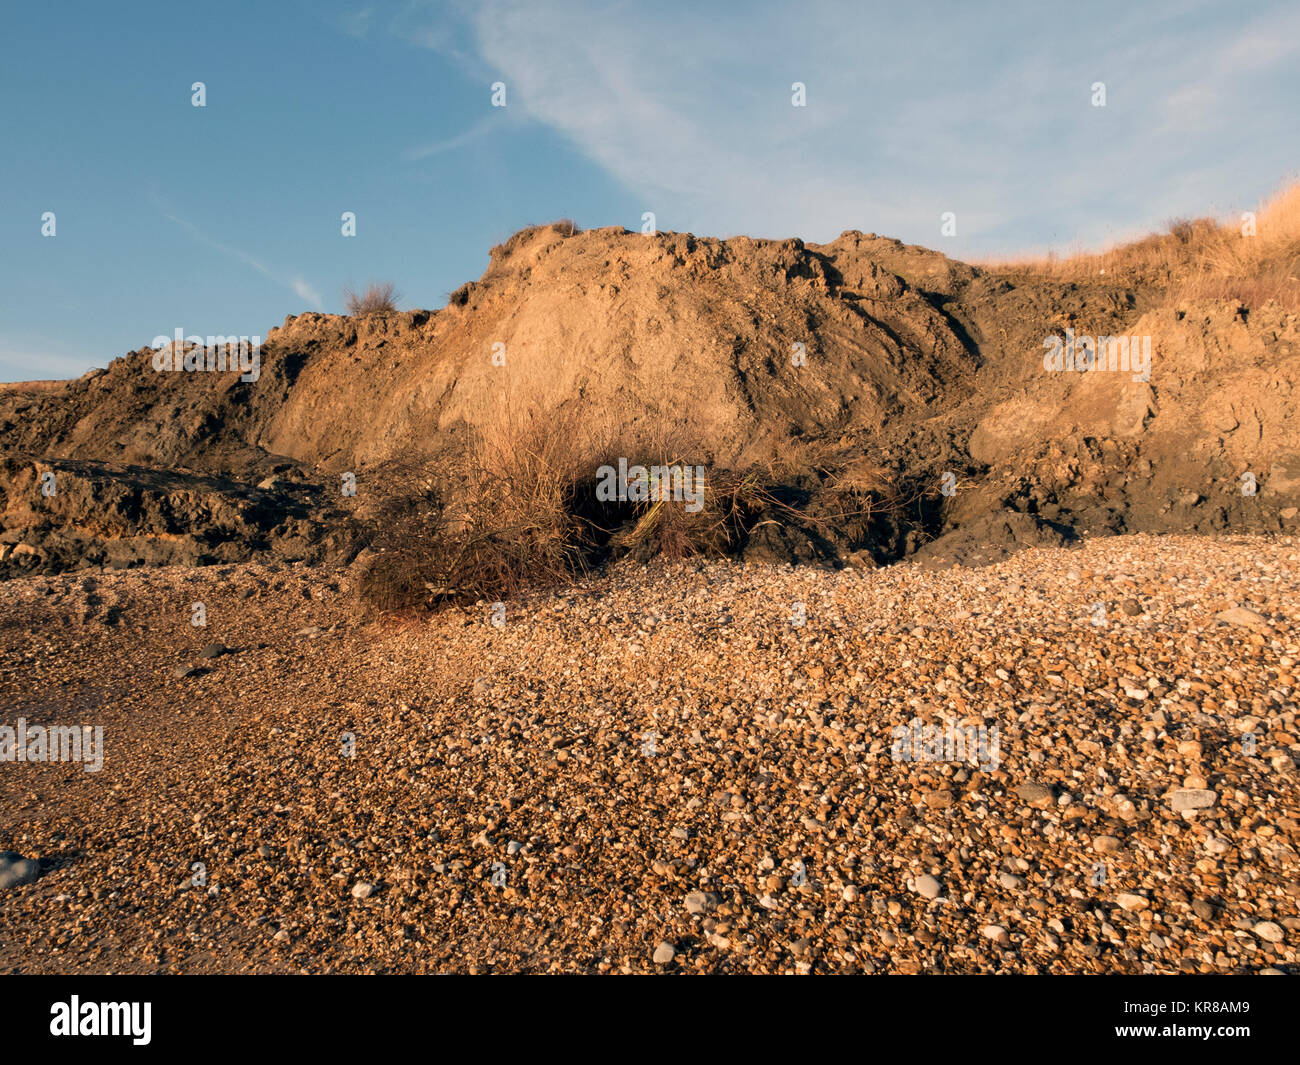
point(924, 364)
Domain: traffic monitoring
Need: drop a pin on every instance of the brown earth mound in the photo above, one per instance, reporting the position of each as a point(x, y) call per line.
point(808, 360)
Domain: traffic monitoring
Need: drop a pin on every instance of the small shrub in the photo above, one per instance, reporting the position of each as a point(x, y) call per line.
point(378, 298)
point(484, 524)
point(517, 507)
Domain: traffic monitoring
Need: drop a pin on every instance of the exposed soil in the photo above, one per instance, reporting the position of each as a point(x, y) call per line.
point(922, 365)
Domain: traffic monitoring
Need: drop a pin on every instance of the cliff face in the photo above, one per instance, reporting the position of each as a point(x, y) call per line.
point(921, 363)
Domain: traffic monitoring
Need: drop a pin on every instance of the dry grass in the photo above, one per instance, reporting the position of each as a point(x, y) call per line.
point(483, 525)
point(378, 298)
point(1196, 259)
point(518, 507)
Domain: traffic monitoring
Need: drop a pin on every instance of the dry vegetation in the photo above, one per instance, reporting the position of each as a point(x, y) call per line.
point(378, 298)
point(1198, 258)
point(518, 507)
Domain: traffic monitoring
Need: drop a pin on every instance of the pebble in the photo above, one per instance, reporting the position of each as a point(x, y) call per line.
point(927, 887)
point(701, 902)
point(1204, 910)
point(1269, 932)
point(1241, 616)
point(1191, 799)
point(1034, 794)
point(664, 954)
point(994, 932)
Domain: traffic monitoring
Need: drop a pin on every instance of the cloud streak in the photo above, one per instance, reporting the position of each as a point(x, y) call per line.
point(297, 285)
point(21, 359)
point(479, 130)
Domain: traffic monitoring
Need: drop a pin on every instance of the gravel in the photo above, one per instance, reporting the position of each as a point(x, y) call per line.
point(367, 756)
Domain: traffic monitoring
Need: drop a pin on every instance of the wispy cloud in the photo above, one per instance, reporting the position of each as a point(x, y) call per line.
point(22, 359)
point(986, 114)
point(295, 284)
point(356, 22)
point(442, 26)
point(306, 293)
point(1264, 43)
point(480, 129)
point(704, 129)
point(1204, 83)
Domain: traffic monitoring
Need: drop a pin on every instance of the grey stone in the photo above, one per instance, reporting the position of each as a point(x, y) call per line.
point(1191, 799)
point(701, 902)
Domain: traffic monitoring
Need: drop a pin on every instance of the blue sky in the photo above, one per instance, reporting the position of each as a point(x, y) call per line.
point(223, 219)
